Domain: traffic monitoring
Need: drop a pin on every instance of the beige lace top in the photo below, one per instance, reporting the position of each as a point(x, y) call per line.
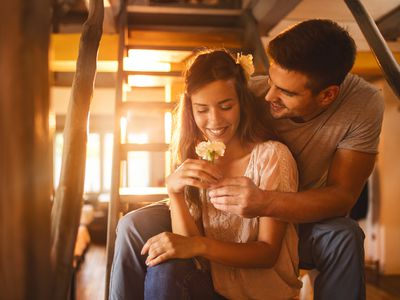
point(271, 167)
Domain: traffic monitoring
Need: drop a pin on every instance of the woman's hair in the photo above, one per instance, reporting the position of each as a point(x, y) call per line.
point(319, 49)
point(206, 67)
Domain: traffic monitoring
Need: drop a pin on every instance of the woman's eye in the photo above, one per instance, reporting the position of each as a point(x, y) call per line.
point(201, 111)
point(226, 107)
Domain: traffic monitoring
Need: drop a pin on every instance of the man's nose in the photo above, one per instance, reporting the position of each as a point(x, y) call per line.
point(271, 94)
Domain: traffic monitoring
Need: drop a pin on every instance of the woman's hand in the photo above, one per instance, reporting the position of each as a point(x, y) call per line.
point(168, 245)
point(193, 172)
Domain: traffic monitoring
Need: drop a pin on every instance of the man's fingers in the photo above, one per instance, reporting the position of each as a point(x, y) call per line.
point(231, 181)
point(225, 191)
point(235, 209)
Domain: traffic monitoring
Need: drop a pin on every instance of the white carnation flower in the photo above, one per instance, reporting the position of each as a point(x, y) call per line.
point(210, 150)
point(246, 61)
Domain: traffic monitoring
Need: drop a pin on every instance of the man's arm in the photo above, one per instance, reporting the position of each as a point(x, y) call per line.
point(347, 175)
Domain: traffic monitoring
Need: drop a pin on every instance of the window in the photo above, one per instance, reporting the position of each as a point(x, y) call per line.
point(98, 161)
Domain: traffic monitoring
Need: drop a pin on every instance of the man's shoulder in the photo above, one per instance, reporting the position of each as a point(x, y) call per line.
point(355, 88)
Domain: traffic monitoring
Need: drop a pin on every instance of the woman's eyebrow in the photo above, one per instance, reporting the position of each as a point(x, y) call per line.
point(225, 100)
point(219, 102)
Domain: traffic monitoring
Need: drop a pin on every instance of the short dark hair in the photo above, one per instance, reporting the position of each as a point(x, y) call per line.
point(320, 49)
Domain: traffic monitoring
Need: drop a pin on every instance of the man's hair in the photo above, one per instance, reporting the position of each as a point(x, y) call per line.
point(319, 49)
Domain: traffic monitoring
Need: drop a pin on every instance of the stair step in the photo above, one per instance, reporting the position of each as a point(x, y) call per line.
point(147, 106)
point(149, 147)
point(158, 10)
point(155, 73)
point(184, 40)
point(142, 194)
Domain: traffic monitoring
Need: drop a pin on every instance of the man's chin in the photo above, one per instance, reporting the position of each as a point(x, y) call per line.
point(275, 115)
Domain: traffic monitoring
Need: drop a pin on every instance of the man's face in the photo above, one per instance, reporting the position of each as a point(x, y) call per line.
point(289, 96)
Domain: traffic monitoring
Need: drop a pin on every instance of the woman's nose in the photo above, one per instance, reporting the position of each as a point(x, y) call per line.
point(214, 116)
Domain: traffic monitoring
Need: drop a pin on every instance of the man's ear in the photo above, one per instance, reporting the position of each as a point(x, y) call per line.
point(328, 95)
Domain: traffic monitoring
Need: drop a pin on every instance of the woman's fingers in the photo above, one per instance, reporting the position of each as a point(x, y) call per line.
point(202, 168)
point(193, 172)
point(165, 246)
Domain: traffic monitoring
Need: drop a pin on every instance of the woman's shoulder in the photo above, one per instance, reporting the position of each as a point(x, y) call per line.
point(271, 148)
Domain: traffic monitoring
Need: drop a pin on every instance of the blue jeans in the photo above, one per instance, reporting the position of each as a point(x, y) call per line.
point(178, 279)
point(334, 247)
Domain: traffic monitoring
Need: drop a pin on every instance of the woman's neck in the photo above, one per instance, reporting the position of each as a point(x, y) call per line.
point(236, 158)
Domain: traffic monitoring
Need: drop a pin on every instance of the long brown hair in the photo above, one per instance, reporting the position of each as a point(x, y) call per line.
point(208, 66)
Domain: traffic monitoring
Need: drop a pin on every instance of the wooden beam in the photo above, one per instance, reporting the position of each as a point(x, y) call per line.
point(25, 151)
point(68, 201)
point(366, 64)
point(383, 54)
point(389, 24)
point(270, 13)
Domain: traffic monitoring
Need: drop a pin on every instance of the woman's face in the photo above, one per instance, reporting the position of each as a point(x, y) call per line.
point(216, 110)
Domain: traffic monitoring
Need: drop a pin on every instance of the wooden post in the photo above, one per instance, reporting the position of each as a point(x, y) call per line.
point(25, 150)
point(68, 202)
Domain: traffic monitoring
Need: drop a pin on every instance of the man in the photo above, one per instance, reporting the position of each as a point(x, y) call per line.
point(331, 122)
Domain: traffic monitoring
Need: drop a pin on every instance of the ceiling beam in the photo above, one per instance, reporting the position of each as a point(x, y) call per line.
point(389, 24)
point(270, 13)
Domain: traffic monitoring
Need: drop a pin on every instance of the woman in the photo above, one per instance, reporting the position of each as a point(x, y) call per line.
point(249, 258)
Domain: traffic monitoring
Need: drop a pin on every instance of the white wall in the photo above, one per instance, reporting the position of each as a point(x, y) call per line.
point(387, 186)
point(102, 102)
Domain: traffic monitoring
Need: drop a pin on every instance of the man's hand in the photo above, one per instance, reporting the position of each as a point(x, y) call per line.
point(239, 195)
point(168, 245)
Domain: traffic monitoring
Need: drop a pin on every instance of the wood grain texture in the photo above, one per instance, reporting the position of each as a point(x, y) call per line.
point(68, 202)
point(25, 150)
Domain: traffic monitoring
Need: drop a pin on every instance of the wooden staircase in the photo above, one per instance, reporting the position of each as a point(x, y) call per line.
point(178, 32)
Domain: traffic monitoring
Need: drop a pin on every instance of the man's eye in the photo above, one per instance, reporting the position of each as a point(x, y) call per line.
point(289, 94)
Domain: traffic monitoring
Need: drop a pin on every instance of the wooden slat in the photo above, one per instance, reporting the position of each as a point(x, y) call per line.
point(151, 147)
point(157, 39)
point(183, 10)
point(114, 204)
point(148, 106)
point(142, 194)
point(68, 202)
point(155, 73)
point(25, 151)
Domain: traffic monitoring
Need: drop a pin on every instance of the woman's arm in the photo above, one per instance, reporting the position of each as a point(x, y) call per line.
point(192, 172)
point(181, 219)
point(258, 254)
point(262, 253)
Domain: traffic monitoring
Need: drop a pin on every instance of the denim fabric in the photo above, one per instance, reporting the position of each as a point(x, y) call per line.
point(178, 279)
point(129, 268)
point(335, 247)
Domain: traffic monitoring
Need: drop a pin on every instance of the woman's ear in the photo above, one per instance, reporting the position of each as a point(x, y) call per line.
point(328, 95)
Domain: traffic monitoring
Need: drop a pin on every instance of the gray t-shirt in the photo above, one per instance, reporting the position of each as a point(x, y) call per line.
point(353, 121)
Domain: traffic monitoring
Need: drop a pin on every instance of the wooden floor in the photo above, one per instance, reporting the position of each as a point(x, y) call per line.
point(91, 279)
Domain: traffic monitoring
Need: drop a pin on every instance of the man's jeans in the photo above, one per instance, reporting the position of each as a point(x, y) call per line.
point(334, 247)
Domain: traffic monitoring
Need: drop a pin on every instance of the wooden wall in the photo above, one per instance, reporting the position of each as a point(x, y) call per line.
point(25, 150)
